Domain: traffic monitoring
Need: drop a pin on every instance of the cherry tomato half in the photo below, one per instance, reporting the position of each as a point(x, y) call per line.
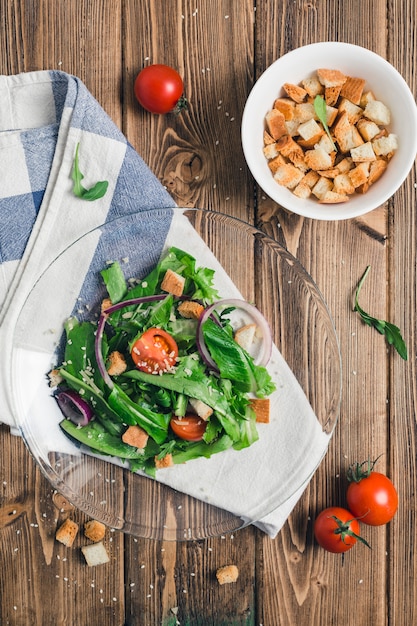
point(373, 499)
point(189, 427)
point(159, 89)
point(336, 529)
point(155, 351)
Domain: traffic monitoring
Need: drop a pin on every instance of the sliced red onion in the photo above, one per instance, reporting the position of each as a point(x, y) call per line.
point(74, 407)
point(257, 317)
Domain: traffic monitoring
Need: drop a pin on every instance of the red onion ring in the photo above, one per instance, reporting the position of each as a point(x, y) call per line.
point(74, 407)
point(257, 317)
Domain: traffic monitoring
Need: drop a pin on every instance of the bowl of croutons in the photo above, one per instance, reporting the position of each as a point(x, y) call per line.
point(329, 131)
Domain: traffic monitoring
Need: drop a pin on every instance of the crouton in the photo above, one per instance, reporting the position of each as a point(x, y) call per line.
point(313, 86)
point(322, 186)
point(377, 112)
point(376, 169)
point(352, 89)
point(135, 436)
point(331, 95)
point(173, 283)
point(310, 132)
point(227, 574)
point(95, 554)
point(288, 175)
point(304, 112)
point(385, 145)
point(344, 165)
point(353, 111)
point(271, 151)
point(318, 159)
point(245, 335)
point(166, 461)
point(331, 78)
point(346, 134)
point(116, 363)
point(55, 378)
point(106, 304)
point(190, 309)
point(274, 164)
point(295, 92)
point(359, 174)
point(202, 409)
point(365, 152)
point(367, 129)
point(275, 121)
point(326, 143)
point(261, 407)
point(286, 106)
point(267, 138)
point(302, 190)
point(343, 185)
point(310, 178)
point(331, 197)
point(67, 532)
point(331, 173)
point(94, 530)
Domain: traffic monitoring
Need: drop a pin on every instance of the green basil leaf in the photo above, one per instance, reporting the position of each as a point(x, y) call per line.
point(321, 112)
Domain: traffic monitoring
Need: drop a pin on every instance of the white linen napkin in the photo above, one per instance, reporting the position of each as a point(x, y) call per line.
point(43, 116)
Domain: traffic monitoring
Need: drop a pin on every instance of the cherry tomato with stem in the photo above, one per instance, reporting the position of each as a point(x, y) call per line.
point(337, 530)
point(155, 351)
point(189, 427)
point(159, 89)
point(371, 496)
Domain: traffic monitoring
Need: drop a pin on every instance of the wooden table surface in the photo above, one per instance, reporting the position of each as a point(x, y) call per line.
point(220, 47)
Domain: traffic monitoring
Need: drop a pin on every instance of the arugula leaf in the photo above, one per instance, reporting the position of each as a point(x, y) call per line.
point(115, 282)
point(392, 333)
point(94, 193)
point(321, 112)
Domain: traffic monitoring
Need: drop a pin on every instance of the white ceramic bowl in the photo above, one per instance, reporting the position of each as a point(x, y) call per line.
point(387, 85)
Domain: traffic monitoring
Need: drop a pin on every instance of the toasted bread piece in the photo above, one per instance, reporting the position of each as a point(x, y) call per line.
point(359, 174)
point(245, 335)
point(94, 530)
point(331, 95)
point(267, 138)
point(55, 378)
point(106, 303)
point(376, 169)
point(302, 191)
point(67, 532)
point(271, 150)
point(345, 164)
point(353, 111)
point(343, 185)
point(322, 186)
point(352, 89)
point(326, 143)
point(167, 461)
point(377, 112)
point(261, 407)
point(385, 145)
point(295, 92)
point(318, 159)
point(190, 309)
point(227, 574)
point(304, 112)
point(330, 173)
point(286, 106)
point(367, 129)
point(331, 78)
point(274, 164)
point(95, 554)
point(173, 283)
point(365, 152)
point(310, 132)
point(367, 96)
point(275, 121)
point(310, 178)
point(288, 175)
point(116, 363)
point(313, 86)
point(135, 436)
point(347, 135)
point(331, 197)
point(202, 409)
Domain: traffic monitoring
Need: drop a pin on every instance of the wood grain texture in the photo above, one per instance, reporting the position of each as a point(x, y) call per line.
point(220, 47)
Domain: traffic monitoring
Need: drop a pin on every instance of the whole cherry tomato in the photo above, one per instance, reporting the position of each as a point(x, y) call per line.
point(159, 89)
point(371, 496)
point(155, 351)
point(189, 427)
point(337, 530)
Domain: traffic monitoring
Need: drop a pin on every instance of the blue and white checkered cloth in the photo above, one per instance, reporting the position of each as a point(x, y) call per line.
point(43, 116)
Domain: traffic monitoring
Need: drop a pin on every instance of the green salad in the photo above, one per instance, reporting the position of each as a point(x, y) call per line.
point(161, 378)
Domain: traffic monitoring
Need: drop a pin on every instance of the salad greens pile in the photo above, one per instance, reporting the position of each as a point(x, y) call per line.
point(150, 400)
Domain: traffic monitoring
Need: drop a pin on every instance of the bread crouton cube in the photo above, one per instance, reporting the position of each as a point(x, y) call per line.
point(377, 112)
point(376, 169)
point(304, 112)
point(348, 140)
point(67, 532)
point(302, 191)
point(286, 106)
point(116, 363)
point(313, 86)
point(345, 165)
point(94, 530)
point(267, 138)
point(106, 304)
point(202, 409)
point(190, 309)
point(322, 186)
point(326, 143)
point(331, 197)
point(352, 89)
point(270, 151)
point(330, 173)
point(173, 283)
point(274, 164)
point(288, 175)
point(135, 436)
point(367, 129)
point(365, 152)
point(261, 408)
point(331, 95)
point(166, 461)
point(310, 132)
point(227, 574)
point(292, 127)
point(343, 185)
point(359, 174)
point(95, 554)
point(318, 159)
point(245, 335)
point(353, 111)
point(55, 378)
point(385, 145)
point(275, 121)
point(310, 178)
point(295, 92)
point(331, 78)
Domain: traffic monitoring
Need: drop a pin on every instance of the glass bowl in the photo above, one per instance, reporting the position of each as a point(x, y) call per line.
point(263, 272)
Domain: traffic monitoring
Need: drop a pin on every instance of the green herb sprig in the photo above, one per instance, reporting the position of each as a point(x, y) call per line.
point(321, 112)
point(392, 333)
point(95, 192)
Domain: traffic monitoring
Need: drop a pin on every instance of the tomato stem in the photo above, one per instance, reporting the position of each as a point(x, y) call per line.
point(343, 529)
point(182, 105)
point(357, 471)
